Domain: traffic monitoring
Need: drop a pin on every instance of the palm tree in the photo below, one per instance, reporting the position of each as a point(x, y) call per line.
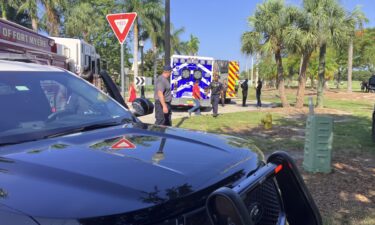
point(356, 20)
point(30, 7)
point(78, 22)
point(147, 11)
point(251, 46)
point(5, 7)
point(193, 45)
point(176, 45)
point(53, 11)
point(154, 30)
point(329, 21)
point(270, 21)
point(302, 39)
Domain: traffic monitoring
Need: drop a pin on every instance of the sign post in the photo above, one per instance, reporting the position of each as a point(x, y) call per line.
point(140, 81)
point(121, 24)
point(122, 71)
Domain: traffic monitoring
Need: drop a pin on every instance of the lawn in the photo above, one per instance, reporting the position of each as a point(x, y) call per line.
point(345, 196)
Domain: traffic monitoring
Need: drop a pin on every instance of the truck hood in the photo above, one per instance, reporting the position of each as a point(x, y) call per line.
point(100, 172)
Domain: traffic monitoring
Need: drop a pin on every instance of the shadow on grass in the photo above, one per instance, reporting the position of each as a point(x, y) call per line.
point(345, 196)
point(352, 134)
point(181, 121)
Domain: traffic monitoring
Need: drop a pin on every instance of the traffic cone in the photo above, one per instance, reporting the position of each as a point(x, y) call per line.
point(132, 93)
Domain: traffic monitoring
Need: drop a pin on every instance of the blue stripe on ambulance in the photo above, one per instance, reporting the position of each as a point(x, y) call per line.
point(185, 86)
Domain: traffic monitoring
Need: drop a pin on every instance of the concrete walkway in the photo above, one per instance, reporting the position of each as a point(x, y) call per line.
point(234, 106)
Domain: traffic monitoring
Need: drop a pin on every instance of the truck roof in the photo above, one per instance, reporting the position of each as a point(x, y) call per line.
point(192, 57)
point(6, 65)
point(17, 38)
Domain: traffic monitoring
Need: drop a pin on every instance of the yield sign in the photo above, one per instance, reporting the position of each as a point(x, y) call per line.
point(121, 24)
point(123, 143)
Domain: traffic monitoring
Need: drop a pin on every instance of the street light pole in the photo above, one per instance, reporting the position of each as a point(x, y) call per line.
point(141, 45)
point(167, 33)
point(252, 69)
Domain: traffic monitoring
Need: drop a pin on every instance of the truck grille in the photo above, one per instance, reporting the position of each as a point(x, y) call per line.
point(263, 204)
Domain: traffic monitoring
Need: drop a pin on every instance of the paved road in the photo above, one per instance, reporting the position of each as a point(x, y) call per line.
point(234, 106)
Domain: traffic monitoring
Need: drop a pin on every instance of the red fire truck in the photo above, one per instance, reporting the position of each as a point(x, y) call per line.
point(19, 43)
point(22, 44)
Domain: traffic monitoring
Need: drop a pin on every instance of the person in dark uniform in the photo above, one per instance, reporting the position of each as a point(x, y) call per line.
point(258, 93)
point(225, 89)
point(216, 89)
point(245, 88)
point(143, 92)
point(163, 98)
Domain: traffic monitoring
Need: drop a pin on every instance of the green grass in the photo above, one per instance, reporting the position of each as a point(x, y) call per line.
point(221, 123)
point(351, 132)
point(351, 136)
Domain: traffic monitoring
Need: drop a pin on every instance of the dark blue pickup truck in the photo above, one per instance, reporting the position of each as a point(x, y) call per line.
point(71, 154)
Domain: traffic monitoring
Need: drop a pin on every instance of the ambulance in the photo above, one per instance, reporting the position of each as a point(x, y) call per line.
point(187, 69)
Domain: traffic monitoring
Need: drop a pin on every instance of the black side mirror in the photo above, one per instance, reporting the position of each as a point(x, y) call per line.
point(142, 107)
point(225, 206)
point(112, 88)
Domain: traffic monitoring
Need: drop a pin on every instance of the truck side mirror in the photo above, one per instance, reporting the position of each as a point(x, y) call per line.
point(142, 107)
point(112, 88)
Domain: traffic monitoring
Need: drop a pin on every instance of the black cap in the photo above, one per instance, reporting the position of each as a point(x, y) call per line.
point(167, 68)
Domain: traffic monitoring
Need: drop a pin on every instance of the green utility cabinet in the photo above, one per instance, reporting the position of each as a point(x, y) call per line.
point(318, 144)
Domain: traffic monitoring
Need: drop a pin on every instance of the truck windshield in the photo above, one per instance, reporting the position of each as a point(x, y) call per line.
point(37, 105)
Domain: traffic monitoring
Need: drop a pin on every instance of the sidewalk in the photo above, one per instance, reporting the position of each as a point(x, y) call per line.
point(234, 106)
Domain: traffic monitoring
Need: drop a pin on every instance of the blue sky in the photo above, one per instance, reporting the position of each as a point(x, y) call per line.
point(219, 23)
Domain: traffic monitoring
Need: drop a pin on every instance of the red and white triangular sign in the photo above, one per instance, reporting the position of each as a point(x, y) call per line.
point(123, 143)
point(121, 24)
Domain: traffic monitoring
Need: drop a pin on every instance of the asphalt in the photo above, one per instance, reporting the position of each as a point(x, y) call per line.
point(234, 106)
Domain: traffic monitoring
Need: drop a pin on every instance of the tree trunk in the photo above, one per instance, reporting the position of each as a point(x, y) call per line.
point(302, 81)
point(350, 65)
point(3, 8)
point(257, 70)
point(312, 82)
point(321, 75)
point(34, 24)
point(55, 25)
point(135, 45)
point(338, 78)
point(280, 78)
point(155, 50)
point(167, 34)
point(52, 23)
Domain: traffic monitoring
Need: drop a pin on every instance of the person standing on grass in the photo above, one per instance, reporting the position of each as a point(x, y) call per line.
point(196, 99)
point(163, 98)
point(225, 88)
point(259, 92)
point(216, 89)
point(245, 88)
point(236, 86)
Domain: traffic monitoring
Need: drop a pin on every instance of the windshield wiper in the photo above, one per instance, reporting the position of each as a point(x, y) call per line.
point(12, 143)
point(67, 131)
point(89, 127)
